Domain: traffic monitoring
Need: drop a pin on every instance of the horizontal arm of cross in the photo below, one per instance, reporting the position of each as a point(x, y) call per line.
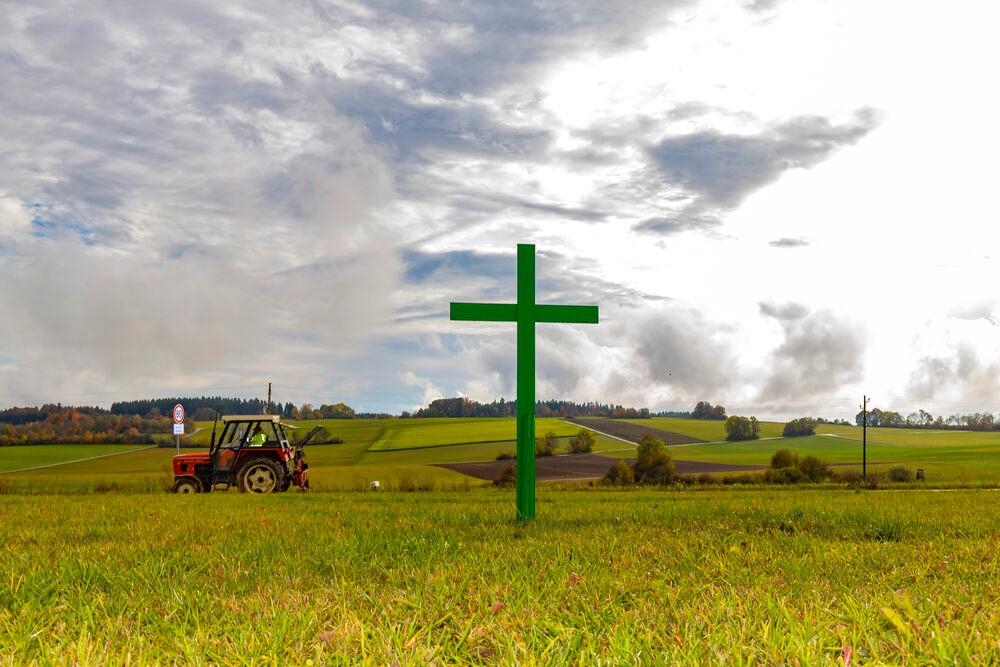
point(566, 314)
point(484, 312)
point(507, 312)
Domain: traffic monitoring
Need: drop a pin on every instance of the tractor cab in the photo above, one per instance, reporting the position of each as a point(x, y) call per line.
point(252, 453)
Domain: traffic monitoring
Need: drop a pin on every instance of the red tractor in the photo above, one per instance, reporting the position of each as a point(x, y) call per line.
point(253, 454)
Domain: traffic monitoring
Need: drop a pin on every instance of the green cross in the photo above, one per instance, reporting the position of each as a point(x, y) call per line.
point(526, 313)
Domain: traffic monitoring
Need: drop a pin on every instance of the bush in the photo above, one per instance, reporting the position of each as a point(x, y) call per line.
point(742, 428)
point(900, 474)
point(786, 475)
point(783, 458)
point(504, 456)
point(813, 469)
point(582, 442)
point(849, 477)
point(798, 427)
point(620, 474)
point(545, 445)
point(506, 477)
point(653, 462)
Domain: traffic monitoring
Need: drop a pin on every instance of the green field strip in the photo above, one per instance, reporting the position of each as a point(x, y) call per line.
point(25, 458)
point(63, 463)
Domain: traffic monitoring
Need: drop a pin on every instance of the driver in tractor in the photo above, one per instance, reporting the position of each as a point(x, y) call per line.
point(258, 439)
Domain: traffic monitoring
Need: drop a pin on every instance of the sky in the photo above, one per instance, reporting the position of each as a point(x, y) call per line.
point(777, 206)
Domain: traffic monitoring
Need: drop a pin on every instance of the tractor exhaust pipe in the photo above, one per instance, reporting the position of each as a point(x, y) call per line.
point(211, 446)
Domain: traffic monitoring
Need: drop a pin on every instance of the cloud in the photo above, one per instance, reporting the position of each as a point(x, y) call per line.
point(681, 348)
point(819, 353)
point(117, 320)
point(715, 171)
point(430, 391)
point(787, 242)
point(961, 374)
point(14, 217)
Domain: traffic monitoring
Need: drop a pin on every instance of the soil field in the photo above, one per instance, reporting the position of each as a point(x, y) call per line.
point(582, 466)
point(633, 432)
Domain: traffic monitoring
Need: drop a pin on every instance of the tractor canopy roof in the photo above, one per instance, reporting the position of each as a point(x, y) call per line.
point(252, 418)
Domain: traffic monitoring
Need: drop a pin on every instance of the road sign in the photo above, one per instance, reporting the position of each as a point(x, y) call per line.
point(178, 429)
point(178, 414)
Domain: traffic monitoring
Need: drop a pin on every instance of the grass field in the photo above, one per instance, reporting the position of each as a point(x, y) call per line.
point(31, 456)
point(647, 577)
point(709, 430)
point(398, 451)
point(413, 433)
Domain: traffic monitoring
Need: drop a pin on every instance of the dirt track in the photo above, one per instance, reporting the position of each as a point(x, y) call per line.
point(581, 466)
point(633, 432)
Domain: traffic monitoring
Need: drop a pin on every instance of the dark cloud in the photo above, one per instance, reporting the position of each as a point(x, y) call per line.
point(680, 348)
point(480, 46)
point(962, 373)
point(819, 354)
point(716, 171)
point(787, 242)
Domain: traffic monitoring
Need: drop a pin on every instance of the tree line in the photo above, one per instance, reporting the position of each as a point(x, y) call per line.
point(976, 421)
point(465, 407)
point(70, 425)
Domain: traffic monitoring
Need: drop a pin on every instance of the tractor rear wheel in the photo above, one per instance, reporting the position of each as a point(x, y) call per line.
point(187, 485)
point(261, 476)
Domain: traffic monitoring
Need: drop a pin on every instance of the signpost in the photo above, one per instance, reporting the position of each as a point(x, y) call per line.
point(178, 425)
point(525, 313)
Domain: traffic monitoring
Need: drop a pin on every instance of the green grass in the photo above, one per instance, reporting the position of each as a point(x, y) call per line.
point(708, 430)
point(393, 451)
point(945, 456)
point(648, 577)
point(416, 433)
point(29, 456)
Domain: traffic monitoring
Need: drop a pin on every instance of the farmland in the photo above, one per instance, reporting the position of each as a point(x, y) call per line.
point(411, 450)
point(644, 576)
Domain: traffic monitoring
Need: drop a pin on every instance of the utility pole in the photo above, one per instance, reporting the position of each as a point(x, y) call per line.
point(864, 438)
point(268, 398)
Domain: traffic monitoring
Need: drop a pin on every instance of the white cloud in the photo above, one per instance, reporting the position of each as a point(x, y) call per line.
point(320, 158)
point(14, 217)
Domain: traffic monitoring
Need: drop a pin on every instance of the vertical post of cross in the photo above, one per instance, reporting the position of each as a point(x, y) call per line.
point(525, 313)
point(525, 382)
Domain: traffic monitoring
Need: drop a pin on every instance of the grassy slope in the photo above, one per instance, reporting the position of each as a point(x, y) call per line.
point(946, 456)
point(27, 456)
point(708, 430)
point(769, 577)
point(414, 433)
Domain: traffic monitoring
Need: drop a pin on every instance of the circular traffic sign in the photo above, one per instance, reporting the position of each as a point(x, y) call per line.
point(178, 414)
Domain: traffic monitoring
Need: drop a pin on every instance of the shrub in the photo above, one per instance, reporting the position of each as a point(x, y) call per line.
point(900, 474)
point(742, 428)
point(506, 477)
point(850, 477)
point(653, 462)
point(786, 475)
point(545, 445)
point(620, 474)
point(503, 456)
point(783, 458)
point(582, 442)
point(798, 427)
point(813, 469)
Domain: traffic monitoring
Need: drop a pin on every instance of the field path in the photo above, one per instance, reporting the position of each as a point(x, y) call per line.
point(89, 458)
point(632, 433)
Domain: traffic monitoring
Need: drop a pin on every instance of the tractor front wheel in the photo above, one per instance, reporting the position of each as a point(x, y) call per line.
point(187, 485)
point(261, 476)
